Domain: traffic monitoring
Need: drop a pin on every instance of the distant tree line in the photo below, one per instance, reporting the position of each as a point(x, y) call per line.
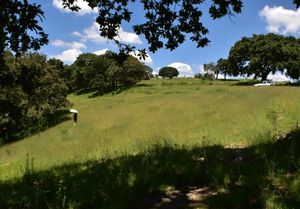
point(258, 56)
point(212, 70)
point(34, 89)
point(104, 73)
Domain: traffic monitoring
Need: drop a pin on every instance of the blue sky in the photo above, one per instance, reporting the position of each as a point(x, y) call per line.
point(72, 33)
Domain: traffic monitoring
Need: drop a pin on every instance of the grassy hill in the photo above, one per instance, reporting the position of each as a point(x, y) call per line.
point(157, 124)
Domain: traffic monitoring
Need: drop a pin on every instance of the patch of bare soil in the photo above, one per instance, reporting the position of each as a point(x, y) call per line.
point(178, 198)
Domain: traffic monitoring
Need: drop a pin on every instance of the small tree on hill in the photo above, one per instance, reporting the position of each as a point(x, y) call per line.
point(168, 72)
point(211, 70)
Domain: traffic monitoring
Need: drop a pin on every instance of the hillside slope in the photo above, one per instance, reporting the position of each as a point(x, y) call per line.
point(181, 111)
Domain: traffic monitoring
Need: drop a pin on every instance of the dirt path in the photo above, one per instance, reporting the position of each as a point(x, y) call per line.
point(178, 198)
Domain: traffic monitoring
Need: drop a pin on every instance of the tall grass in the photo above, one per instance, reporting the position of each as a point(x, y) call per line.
point(167, 176)
point(185, 112)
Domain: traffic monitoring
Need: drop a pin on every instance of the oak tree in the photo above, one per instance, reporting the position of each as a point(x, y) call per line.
point(261, 55)
point(168, 72)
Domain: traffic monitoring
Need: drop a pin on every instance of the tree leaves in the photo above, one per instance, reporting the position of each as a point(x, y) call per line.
point(168, 23)
point(168, 72)
point(260, 55)
point(32, 90)
point(297, 2)
point(104, 73)
point(18, 20)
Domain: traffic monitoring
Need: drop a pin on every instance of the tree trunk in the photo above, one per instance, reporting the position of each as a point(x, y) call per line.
point(264, 76)
point(255, 77)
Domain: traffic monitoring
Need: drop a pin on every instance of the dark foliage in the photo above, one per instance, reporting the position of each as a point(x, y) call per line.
point(64, 71)
point(223, 67)
point(167, 24)
point(168, 72)
point(107, 72)
point(198, 75)
point(19, 20)
point(246, 82)
point(260, 55)
point(34, 91)
point(205, 76)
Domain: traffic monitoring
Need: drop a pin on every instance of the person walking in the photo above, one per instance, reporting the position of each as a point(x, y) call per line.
point(75, 117)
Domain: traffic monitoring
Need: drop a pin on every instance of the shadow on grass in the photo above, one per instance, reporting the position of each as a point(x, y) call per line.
point(246, 82)
point(168, 177)
point(119, 89)
point(296, 84)
point(252, 82)
point(40, 125)
point(56, 118)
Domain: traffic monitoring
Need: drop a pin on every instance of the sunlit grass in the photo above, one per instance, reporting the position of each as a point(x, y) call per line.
point(180, 111)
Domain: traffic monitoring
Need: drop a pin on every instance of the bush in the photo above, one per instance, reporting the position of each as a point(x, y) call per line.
point(205, 76)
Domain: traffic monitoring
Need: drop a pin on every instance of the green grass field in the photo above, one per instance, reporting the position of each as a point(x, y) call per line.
point(159, 124)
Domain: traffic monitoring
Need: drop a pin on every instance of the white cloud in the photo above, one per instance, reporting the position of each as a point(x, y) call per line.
point(73, 51)
point(279, 77)
point(183, 69)
point(128, 37)
point(155, 73)
point(76, 33)
point(68, 56)
point(156, 70)
point(84, 7)
point(58, 43)
point(92, 33)
point(100, 52)
point(281, 20)
point(147, 61)
point(201, 68)
point(72, 45)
